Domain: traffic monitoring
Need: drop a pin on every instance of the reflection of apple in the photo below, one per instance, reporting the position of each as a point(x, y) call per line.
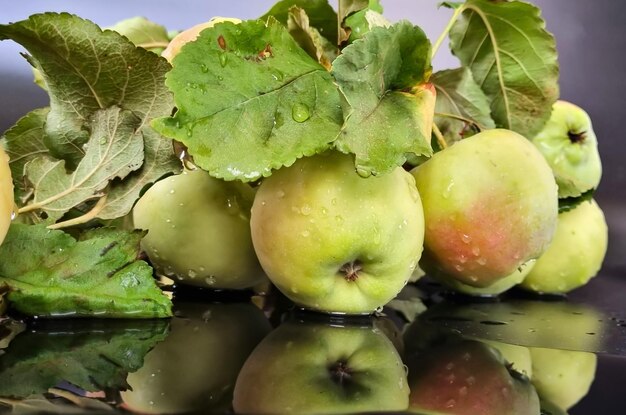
point(562, 377)
point(569, 145)
point(316, 368)
point(517, 356)
point(198, 230)
point(576, 252)
point(195, 368)
point(490, 205)
point(466, 377)
point(328, 239)
point(494, 289)
point(192, 34)
point(6, 194)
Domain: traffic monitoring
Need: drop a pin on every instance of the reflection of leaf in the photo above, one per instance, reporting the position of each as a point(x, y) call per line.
point(250, 100)
point(85, 70)
point(9, 329)
point(513, 59)
point(458, 95)
point(90, 355)
point(321, 15)
point(385, 114)
point(310, 39)
point(24, 142)
point(159, 161)
point(98, 276)
point(114, 150)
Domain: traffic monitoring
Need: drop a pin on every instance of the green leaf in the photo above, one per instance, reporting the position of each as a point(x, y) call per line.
point(451, 4)
point(114, 150)
point(88, 354)
point(25, 142)
point(310, 39)
point(356, 25)
point(85, 70)
point(143, 33)
point(97, 276)
point(461, 105)
point(513, 59)
point(159, 161)
point(570, 203)
point(250, 100)
point(388, 110)
point(321, 15)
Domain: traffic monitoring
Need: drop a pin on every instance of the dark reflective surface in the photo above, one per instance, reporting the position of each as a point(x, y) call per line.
point(225, 352)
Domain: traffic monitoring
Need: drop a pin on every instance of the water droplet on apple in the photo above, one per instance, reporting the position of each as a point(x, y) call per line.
point(462, 259)
point(280, 194)
point(470, 380)
point(294, 289)
point(476, 251)
point(463, 391)
point(482, 261)
point(305, 210)
point(466, 238)
point(450, 403)
point(210, 280)
point(458, 267)
point(168, 221)
point(202, 269)
point(333, 202)
point(306, 233)
point(192, 274)
point(324, 211)
point(339, 219)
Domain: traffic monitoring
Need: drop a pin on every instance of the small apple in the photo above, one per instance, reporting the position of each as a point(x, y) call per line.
point(315, 368)
point(196, 367)
point(490, 205)
point(6, 195)
point(192, 34)
point(492, 290)
point(576, 252)
point(329, 239)
point(562, 377)
point(199, 231)
point(466, 377)
point(570, 146)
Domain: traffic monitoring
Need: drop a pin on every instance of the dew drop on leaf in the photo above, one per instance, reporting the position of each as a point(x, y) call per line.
point(300, 112)
point(223, 59)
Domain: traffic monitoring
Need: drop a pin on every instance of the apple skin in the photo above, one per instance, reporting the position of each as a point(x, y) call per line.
point(198, 231)
point(570, 146)
point(327, 237)
point(495, 289)
point(305, 367)
point(196, 366)
point(466, 377)
point(6, 195)
point(562, 377)
point(490, 205)
point(576, 253)
point(191, 34)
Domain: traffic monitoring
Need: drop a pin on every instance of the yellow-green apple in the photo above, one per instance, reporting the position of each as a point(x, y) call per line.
point(199, 230)
point(576, 252)
point(490, 205)
point(494, 289)
point(333, 241)
point(190, 35)
point(315, 368)
point(570, 146)
point(466, 377)
point(562, 377)
point(195, 368)
point(6, 195)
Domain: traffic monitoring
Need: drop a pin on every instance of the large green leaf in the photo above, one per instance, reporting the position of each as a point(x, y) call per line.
point(85, 70)
point(321, 15)
point(388, 110)
point(114, 149)
point(52, 274)
point(250, 100)
point(461, 105)
point(90, 355)
point(513, 59)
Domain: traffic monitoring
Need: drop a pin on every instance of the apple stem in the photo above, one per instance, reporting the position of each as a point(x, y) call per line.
point(440, 138)
point(351, 269)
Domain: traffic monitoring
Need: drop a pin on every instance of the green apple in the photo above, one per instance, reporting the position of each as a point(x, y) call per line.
point(517, 356)
point(196, 367)
point(333, 241)
point(570, 146)
point(576, 253)
point(199, 231)
point(6, 195)
point(192, 34)
point(305, 367)
point(466, 377)
point(492, 290)
point(562, 377)
point(490, 205)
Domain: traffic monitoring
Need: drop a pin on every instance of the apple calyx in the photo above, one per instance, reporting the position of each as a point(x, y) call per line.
point(577, 137)
point(340, 372)
point(351, 269)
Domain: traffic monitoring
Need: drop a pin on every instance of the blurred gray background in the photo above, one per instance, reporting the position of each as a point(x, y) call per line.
point(591, 40)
